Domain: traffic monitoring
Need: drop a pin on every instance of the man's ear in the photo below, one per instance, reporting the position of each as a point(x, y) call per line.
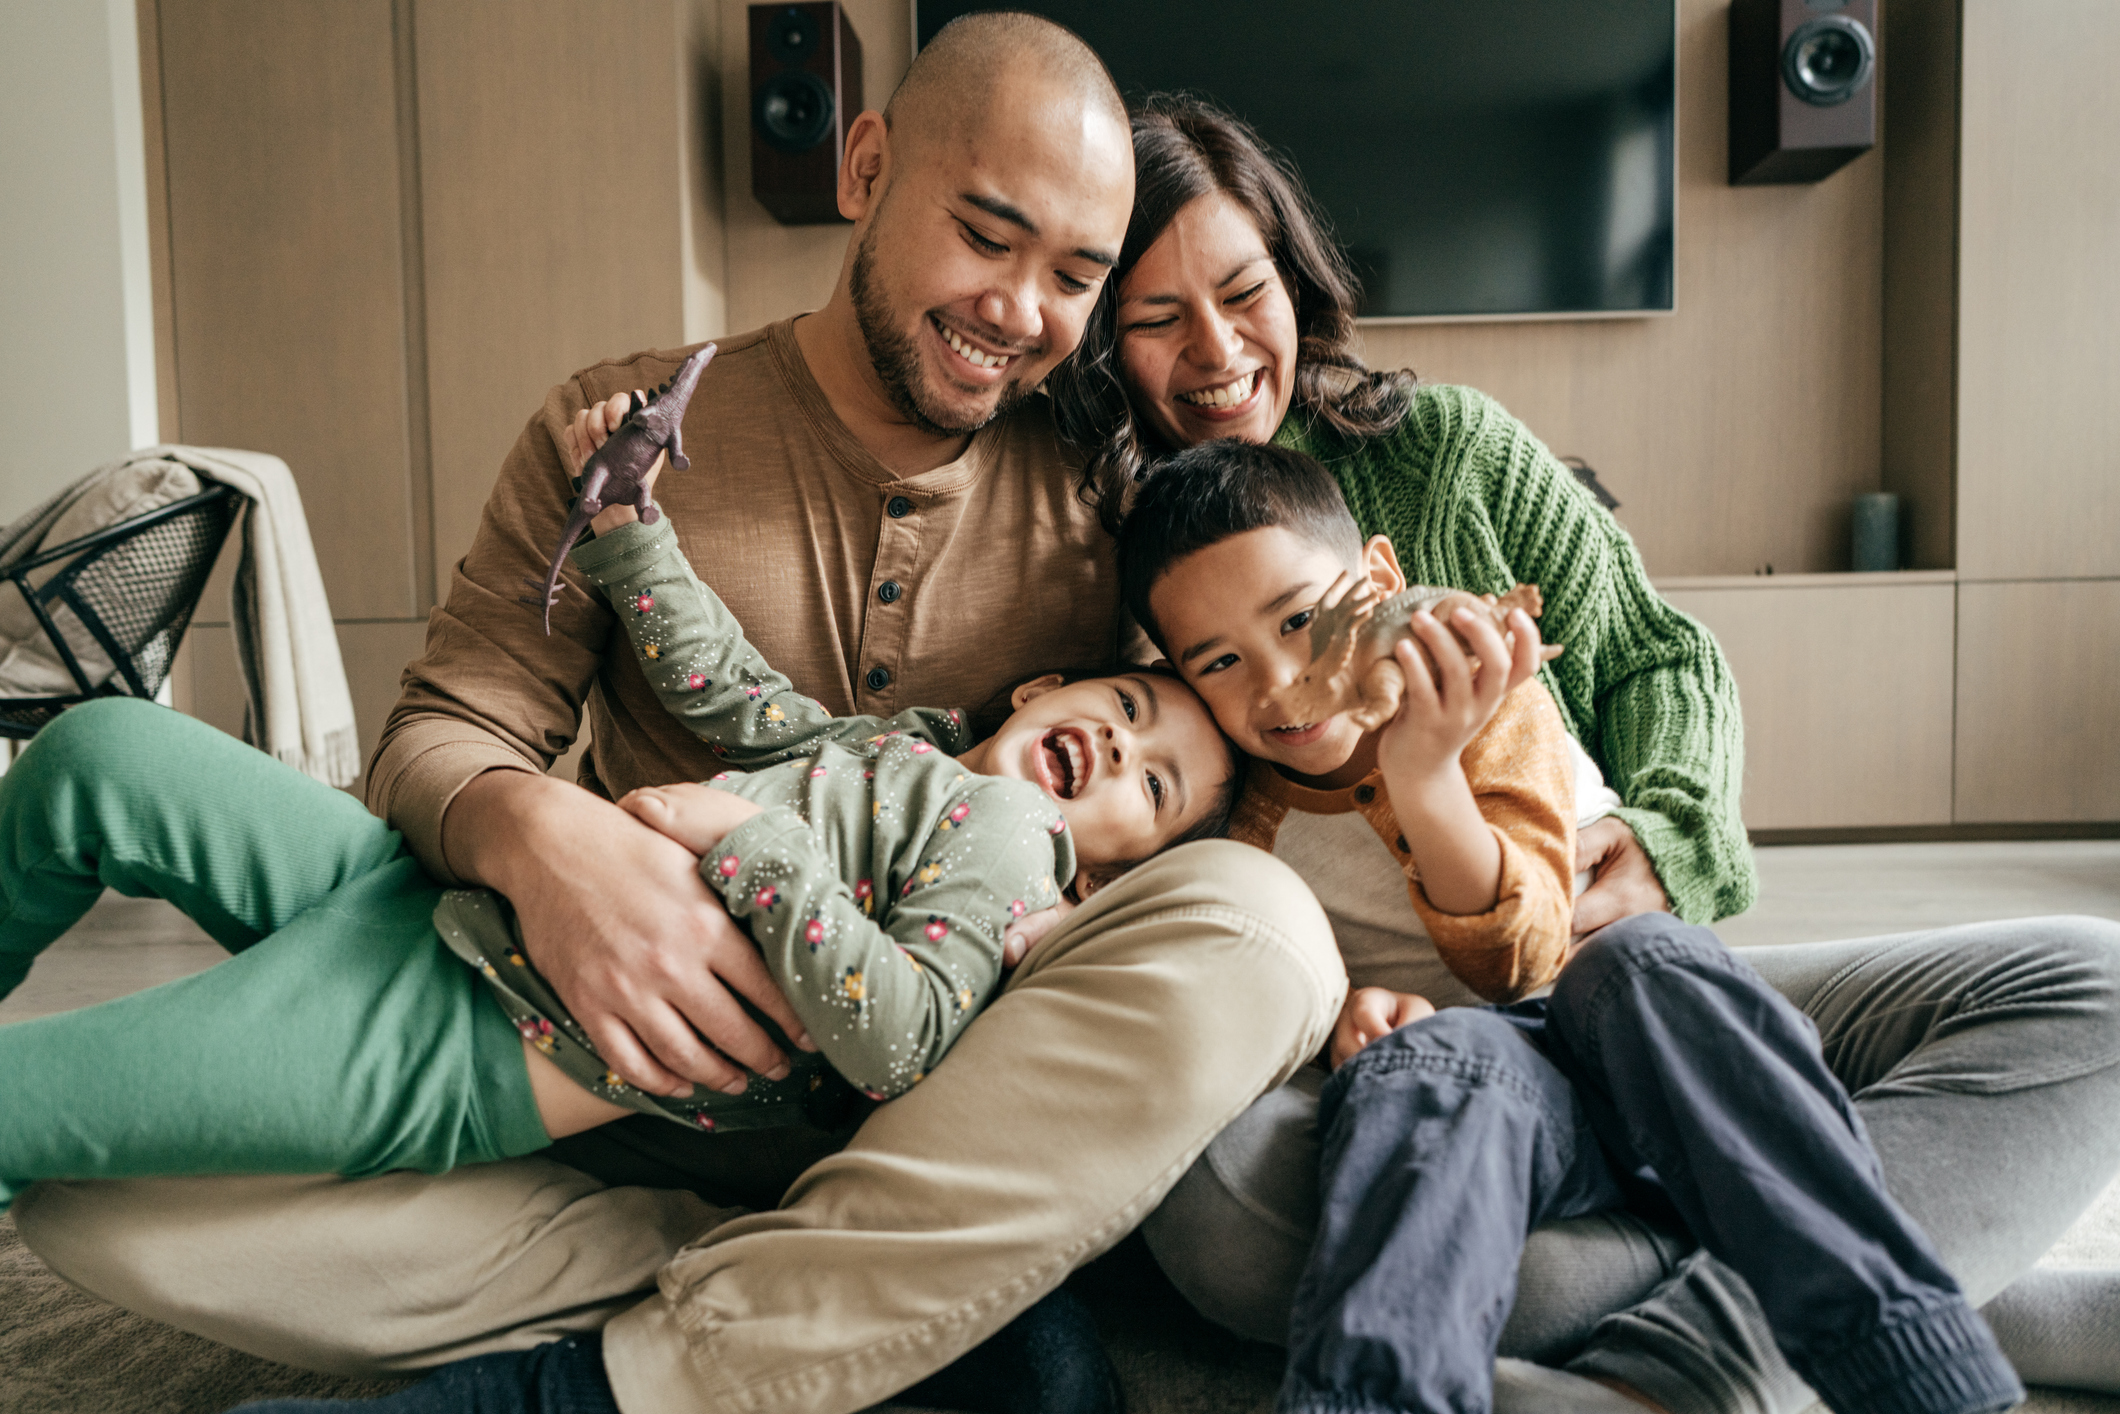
point(1381, 564)
point(862, 171)
point(1036, 687)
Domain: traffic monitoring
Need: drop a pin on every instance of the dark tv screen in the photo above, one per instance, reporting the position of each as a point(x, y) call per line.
point(1476, 157)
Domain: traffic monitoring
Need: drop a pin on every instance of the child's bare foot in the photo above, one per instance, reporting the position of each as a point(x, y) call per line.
point(696, 816)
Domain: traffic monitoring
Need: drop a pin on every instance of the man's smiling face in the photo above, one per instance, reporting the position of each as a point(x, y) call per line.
point(985, 254)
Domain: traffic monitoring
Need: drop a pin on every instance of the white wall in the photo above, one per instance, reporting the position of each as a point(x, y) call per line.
point(76, 312)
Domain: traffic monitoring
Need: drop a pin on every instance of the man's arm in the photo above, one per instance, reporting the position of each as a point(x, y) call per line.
point(613, 914)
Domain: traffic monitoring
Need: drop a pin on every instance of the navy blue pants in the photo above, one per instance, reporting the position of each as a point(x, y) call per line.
point(1661, 1071)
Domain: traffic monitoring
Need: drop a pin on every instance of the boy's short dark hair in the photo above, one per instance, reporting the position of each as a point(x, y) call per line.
point(1209, 493)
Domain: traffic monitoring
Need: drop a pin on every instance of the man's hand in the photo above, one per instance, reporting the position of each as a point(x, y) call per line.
point(697, 816)
point(1622, 881)
point(617, 919)
point(1371, 1012)
point(1030, 930)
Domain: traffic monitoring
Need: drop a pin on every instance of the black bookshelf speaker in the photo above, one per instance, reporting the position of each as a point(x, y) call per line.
point(1803, 88)
point(805, 90)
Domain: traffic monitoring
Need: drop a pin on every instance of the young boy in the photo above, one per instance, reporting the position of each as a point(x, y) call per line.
point(1660, 1071)
point(877, 864)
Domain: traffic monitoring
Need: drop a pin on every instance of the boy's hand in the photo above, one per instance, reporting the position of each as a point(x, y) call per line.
point(1371, 1012)
point(696, 816)
point(591, 428)
point(1440, 715)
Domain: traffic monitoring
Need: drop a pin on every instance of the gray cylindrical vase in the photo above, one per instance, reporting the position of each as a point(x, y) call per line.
point(1875, 537)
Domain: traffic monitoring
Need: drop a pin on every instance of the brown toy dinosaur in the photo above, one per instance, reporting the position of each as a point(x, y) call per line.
point(1351, 642)
point(616, 472)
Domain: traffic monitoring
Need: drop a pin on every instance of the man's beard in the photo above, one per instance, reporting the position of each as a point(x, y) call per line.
point(896, 358)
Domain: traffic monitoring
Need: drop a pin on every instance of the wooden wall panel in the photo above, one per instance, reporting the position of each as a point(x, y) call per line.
point(211, 686)
point(2039, 292)
point(2038, 701)
point(1736, 430)
point(289, 332)
point(1847, 699)
point(550, 204)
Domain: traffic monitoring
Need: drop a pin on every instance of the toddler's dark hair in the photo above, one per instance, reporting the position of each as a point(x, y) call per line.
point(1208, 493)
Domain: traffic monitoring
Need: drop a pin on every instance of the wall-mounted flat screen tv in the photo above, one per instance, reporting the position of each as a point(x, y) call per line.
point(1478, 158)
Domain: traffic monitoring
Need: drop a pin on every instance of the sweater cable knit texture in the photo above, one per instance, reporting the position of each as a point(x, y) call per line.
point(1471, 499)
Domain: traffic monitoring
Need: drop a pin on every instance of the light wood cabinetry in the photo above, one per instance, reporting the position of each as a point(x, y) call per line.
point(550, 191)
point(285, 266)
point(2039, 701)
point(1846, 685)
point(382, 230)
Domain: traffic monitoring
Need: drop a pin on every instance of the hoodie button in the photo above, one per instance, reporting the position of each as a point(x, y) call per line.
point(1364, 794)
point(878, 679)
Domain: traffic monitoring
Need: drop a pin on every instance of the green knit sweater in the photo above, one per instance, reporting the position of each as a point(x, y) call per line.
point(1472, 500)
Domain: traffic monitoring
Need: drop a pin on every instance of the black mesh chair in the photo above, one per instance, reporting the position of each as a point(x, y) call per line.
point(132, 586)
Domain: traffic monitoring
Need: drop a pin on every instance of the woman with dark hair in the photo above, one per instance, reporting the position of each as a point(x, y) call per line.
point(1231, 314)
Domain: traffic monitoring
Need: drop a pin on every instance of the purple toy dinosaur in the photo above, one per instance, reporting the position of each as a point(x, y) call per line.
point(614, 472)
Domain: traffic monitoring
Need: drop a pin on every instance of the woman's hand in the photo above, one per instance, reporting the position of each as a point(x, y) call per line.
point(1371, 1012)
point(1622, 880)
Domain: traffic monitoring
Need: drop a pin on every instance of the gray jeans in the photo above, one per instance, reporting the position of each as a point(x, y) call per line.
point(1984, 1061)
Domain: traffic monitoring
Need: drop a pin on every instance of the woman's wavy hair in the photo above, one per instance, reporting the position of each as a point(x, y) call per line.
point(1186, 148)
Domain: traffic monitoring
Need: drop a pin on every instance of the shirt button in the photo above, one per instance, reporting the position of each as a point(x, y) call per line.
point(878, 679)
point(889, 591)
point(899, 508)
point(1364, 794)
point(1402, 844)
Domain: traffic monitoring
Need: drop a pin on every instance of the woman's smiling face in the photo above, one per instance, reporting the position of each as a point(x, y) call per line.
point(1207, 333)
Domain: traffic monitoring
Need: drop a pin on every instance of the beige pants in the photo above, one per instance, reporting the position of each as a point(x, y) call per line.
point(1157, 1013)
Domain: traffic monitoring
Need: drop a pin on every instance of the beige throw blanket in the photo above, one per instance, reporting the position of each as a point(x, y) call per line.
point(300, 710)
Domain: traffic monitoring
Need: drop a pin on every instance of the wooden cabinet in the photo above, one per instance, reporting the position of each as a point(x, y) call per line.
point(2038, 701)
point(1846, 686)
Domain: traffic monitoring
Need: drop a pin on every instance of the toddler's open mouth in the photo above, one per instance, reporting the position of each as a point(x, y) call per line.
point(1063, 762)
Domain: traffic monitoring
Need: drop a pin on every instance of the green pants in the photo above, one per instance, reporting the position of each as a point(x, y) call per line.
point(342, 1037)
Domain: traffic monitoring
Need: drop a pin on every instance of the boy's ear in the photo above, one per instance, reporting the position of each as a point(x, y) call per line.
point(1036, 687)
point(1381, 563)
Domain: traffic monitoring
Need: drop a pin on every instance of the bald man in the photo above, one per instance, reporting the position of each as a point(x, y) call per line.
point(878, 495)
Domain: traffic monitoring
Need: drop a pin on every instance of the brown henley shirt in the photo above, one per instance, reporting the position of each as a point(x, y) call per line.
point(872, 592)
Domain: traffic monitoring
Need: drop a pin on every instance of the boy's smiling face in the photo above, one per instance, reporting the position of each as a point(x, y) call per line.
point(1235, 619)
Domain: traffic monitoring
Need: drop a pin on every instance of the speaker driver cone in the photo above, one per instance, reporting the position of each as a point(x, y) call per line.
point(1828, 60)
point(793, 36)
point(793, 110)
